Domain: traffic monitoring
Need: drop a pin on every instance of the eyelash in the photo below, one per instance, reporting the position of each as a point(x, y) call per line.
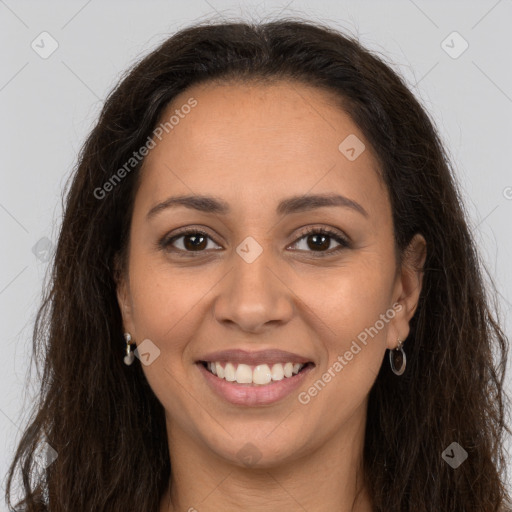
point(165, 243)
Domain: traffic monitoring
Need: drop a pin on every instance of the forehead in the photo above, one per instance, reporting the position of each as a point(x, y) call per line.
point(248, 141)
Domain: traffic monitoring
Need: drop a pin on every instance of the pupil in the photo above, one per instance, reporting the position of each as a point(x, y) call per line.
point(195, 244)
point(322, 244)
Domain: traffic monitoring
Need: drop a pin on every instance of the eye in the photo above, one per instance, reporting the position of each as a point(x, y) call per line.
point(318, 239)
point(196, 241)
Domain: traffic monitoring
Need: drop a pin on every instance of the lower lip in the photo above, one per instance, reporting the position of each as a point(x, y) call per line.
point(254, 395)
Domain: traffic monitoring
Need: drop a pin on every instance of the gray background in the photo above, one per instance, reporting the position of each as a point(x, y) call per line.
point(49, 105)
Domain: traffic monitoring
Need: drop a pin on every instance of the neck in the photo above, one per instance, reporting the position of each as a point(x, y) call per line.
point(329, 477)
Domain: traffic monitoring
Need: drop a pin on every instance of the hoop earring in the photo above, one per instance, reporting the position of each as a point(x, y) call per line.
point(397, 355)
point(130, 356)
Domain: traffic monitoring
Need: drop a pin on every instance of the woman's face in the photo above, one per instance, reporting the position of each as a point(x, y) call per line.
point(260, 286)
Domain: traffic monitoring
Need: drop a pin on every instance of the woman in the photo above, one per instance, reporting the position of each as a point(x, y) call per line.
point(265, 217)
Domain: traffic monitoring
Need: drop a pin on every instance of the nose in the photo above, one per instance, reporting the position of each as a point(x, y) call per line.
point(253, 296)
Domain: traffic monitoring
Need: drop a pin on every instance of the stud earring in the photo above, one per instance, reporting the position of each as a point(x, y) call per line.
point(397, 358)
point(130, 356)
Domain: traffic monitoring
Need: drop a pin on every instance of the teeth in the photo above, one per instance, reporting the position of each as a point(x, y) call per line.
point(243, 374)
point(277, 372)
point(259, 375)
point(229, 372)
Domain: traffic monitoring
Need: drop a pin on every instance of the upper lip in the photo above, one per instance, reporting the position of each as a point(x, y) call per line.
point(255, 358)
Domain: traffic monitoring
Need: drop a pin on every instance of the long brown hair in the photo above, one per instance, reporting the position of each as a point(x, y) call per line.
point(102, 417)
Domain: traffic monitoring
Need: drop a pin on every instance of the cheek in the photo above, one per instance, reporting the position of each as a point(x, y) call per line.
point(353, 358)
point(351, 298)
point(164, 301)
point(354, 313)
point(166, 310)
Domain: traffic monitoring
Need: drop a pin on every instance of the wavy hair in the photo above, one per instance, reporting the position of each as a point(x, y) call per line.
point(102, 418)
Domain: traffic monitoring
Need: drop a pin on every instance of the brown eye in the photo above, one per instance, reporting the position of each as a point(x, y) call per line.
point(193, 241)
point(319, 240)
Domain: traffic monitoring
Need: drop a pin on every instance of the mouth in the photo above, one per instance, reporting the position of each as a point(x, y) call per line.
point(254, 378)
point(254, 375)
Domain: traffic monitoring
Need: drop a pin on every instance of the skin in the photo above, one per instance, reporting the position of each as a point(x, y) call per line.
point(252, 146)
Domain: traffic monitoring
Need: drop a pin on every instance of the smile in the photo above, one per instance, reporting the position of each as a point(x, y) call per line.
point(253, 386)
point(259, 375)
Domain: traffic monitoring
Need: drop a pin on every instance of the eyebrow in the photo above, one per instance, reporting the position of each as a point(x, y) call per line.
point(295, 204)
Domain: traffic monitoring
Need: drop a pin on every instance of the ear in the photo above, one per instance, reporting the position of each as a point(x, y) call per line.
point(123, 295)
point(407, 289)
